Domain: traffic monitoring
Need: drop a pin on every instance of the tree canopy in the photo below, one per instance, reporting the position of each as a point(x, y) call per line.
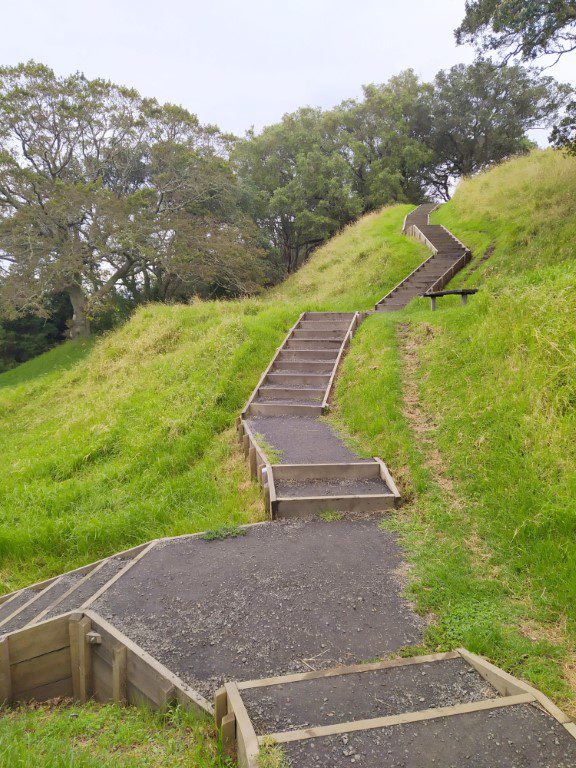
point(100, 188)
point(520, 28)
point(109, 199)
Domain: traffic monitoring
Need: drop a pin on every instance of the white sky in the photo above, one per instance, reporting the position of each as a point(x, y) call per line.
point(239, 64)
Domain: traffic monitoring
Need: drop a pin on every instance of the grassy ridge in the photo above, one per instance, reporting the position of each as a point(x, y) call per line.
point(489, 464)
point(109, 444)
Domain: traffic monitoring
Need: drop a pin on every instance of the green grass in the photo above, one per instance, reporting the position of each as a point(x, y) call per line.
point(109, 444)
point(489, 470)
point(105, 736)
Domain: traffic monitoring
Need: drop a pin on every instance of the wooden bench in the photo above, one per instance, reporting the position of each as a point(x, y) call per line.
point(462, 292)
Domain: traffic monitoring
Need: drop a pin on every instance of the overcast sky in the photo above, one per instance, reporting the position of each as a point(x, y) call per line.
point(239, 64)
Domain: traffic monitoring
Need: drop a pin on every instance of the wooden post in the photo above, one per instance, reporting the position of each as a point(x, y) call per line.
point(5, 674)
point(119, 674)
point(228, 734)
point(81, 658)
point(220, 706)
point(464, 299)
point(252, 459)
point(432, 303)
point(246, 444)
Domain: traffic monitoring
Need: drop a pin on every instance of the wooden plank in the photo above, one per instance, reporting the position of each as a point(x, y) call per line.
point(74, 642)
point(102, 688)
point(5, 673)
point(351, 669)
point(504, 682)
point(183, 692)
point(50, 635)
point(55, 690)
point(220, 705)
point(131, 563)
point(406, 717)
point(70, 591)
point(119, 674)
point(41, 670)
point(387, 477)
point(228, 736)
point(356, 471)
point(246, 738)
point(84, 626)
point(29, 602)
point(571, 728)
point(303, 506)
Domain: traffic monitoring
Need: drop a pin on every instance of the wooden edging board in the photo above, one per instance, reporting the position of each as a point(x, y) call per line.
point(284, 737)
point(41, 585)
point(512, 691)
point(354, 323)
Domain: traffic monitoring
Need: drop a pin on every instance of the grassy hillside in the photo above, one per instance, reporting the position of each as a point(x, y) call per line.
point(108, 444)
point(475, 410)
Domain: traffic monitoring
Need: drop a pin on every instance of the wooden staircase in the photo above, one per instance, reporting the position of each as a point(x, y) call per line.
point(449, 255)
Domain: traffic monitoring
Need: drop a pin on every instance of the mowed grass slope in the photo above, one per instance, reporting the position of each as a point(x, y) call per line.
point(475, 410)
point(109, 443)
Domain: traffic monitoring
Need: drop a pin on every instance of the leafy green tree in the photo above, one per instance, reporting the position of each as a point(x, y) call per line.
point(528, 31)
point(382, 137)
point(103, 191)
point(520, 28)
point(299, 190)
point(480, 114)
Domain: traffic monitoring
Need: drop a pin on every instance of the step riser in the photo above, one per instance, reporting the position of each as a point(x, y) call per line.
point(302, 366)
point(311, 380)
point(296, 472)
point(313, 344)
point(307, 354)
point(289, 508)
point(285, 409)
point(310, 334)
point(284, 393)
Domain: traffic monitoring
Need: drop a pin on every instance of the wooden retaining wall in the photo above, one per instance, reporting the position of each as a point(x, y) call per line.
point(80, 655)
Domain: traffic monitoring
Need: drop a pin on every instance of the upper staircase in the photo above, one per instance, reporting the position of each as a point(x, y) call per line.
point(449, 255)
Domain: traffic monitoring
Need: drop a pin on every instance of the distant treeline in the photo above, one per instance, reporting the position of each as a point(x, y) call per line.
point(109, 199)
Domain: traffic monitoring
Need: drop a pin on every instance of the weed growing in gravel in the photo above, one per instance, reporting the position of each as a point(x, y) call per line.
point(226, 531)
point(271, 755)
point(273, 455)
point(330, 516)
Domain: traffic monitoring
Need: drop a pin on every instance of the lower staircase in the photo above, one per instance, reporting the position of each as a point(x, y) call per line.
point(449, 255)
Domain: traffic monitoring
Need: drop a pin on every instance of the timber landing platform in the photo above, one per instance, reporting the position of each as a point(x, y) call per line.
point(285, 632)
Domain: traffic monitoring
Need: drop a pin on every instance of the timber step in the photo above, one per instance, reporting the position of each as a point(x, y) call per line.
point(67, 592)
point(300, 490)
point(449, 256)
point(314, 345)
point(451, 709)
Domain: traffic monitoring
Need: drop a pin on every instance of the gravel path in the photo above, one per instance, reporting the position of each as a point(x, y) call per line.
point(286, 597)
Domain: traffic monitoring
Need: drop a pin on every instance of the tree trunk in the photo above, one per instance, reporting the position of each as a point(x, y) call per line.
point(80, 328)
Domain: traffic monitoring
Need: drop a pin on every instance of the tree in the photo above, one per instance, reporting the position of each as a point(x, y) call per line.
point(520, 28)
point(480, 114)
point(527, 30)
point(102, 190)
point(382, 139)
point(300, 190)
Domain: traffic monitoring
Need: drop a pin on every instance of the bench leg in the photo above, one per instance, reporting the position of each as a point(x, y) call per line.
point(464, 299)
point(432, 303)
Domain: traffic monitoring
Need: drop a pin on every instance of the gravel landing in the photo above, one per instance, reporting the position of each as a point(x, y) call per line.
point(512, 737)
point(302, 440)
point(378, 693)
point(75, 600)
point(305, 488)
point(286, 597)
point(55, 591)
